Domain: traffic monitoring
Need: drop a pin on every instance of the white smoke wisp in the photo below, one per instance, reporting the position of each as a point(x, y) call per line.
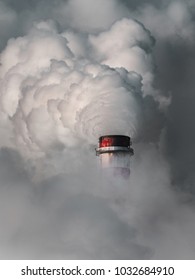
point(100, 14)
point(54, 96)
point(131, 46)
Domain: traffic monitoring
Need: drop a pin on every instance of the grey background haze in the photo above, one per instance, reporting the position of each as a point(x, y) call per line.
point(53, 202)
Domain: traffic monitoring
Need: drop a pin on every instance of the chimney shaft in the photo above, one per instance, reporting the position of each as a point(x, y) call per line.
point(114, 152)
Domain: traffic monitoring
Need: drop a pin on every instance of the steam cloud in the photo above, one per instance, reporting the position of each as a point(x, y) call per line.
point(52, 93)
point(68, 77)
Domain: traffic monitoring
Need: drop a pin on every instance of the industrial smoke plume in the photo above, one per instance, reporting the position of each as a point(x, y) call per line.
point(50, 92)
point(71, 72)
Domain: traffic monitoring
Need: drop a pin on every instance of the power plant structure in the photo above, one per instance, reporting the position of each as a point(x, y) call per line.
point(114, 153)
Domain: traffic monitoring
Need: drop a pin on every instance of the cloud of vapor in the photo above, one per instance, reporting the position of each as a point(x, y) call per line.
point(52, 96)
point(68, 77)
point(173, 28)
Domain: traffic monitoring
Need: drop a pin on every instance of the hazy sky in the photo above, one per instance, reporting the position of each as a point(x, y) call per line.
point(70, 72)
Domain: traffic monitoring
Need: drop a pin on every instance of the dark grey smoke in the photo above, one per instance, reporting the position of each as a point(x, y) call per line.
point(53, 202)
point(175, 56)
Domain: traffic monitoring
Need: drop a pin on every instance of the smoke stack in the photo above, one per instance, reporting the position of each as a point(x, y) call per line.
point(114, 152)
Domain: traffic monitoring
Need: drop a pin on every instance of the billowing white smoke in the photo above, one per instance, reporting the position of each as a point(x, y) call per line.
point(52, 93)
point(88, 71)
